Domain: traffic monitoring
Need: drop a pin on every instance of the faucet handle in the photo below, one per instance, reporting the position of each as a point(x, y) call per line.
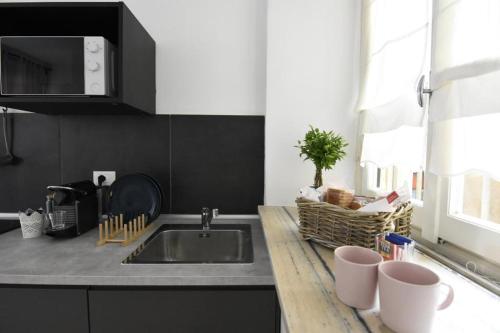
point(215, 212)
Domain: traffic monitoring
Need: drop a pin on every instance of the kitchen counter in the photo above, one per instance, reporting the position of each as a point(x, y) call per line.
point(78, 261)
point(305, 282)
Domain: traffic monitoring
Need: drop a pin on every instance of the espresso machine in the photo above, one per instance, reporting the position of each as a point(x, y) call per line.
point(71, 209)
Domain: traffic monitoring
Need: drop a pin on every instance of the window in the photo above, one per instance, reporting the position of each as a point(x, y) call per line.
point(461, 119)
point(381, 181)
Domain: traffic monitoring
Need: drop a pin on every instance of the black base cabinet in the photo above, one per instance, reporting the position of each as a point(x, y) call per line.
point(27, 309)
point(183, 311)
point(43, 309)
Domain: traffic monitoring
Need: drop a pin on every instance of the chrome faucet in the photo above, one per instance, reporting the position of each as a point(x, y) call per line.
point(206, 217)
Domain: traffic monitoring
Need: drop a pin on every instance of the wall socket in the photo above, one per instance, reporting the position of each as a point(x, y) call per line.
point(110, 177)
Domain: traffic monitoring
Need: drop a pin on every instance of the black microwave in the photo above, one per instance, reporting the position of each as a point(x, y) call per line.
point(57, 65)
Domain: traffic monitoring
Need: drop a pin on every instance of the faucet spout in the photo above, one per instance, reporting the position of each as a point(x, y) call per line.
point(206, 217)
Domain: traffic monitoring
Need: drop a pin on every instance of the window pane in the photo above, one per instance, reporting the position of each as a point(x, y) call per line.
point(476, 197)
point(473, 188)
point(386, 180)
point(494, 201)
point(417, 187)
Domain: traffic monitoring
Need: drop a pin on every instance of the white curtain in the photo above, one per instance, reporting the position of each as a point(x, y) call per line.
point(465, 80)
point(466, 144)
point(403, 147)
point(395, 34)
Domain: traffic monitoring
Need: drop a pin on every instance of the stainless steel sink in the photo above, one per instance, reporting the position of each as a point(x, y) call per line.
point(187, 243)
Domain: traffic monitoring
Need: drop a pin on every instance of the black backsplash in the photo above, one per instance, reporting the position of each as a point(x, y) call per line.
point(214, 161)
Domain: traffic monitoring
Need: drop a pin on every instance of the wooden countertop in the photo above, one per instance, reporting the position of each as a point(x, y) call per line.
point(305, 282)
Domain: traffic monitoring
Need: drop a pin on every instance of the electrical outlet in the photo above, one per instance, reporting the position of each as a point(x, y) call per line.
point(110, 177)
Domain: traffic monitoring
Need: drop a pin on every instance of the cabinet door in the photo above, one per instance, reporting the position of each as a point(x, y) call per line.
point(54, 310)
point(183, 310)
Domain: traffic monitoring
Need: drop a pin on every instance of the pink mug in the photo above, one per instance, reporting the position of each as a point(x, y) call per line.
point(409, 296)
point(356, 276)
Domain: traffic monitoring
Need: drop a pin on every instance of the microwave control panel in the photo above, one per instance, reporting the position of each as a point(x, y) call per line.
point(96, 51)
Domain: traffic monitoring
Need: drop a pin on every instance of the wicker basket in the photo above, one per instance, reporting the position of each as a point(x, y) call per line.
point(334, 226)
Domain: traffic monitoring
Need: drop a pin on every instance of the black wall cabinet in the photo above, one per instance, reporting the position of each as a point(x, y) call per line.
point(135, 68)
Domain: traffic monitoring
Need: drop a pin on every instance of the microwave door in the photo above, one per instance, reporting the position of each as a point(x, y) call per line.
point(42, 66)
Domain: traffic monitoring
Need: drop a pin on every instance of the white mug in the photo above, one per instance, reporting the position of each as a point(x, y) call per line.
point(409, 296)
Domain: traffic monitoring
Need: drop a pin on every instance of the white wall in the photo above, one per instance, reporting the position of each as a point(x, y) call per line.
point(210, 54)
point(211, 59)
point(312, 77)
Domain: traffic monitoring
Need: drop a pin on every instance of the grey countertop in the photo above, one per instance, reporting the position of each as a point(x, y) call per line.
point(78, 261)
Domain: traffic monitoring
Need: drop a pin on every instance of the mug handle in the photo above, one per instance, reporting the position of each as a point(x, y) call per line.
point(449, 298)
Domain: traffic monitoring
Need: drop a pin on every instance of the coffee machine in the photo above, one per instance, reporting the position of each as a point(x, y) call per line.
point(74, 203)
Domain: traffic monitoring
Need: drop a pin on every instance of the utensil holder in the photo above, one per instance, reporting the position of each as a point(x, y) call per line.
point(31, 225)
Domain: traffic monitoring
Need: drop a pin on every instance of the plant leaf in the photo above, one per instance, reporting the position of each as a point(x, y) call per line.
point(323, 148)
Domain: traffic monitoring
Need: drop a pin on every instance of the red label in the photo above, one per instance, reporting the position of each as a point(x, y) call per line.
point(393, 196)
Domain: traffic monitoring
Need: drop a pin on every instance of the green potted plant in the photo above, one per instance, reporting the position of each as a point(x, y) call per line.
point(324, 149)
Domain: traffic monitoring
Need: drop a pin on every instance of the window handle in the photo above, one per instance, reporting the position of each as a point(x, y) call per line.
point(421, 91)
